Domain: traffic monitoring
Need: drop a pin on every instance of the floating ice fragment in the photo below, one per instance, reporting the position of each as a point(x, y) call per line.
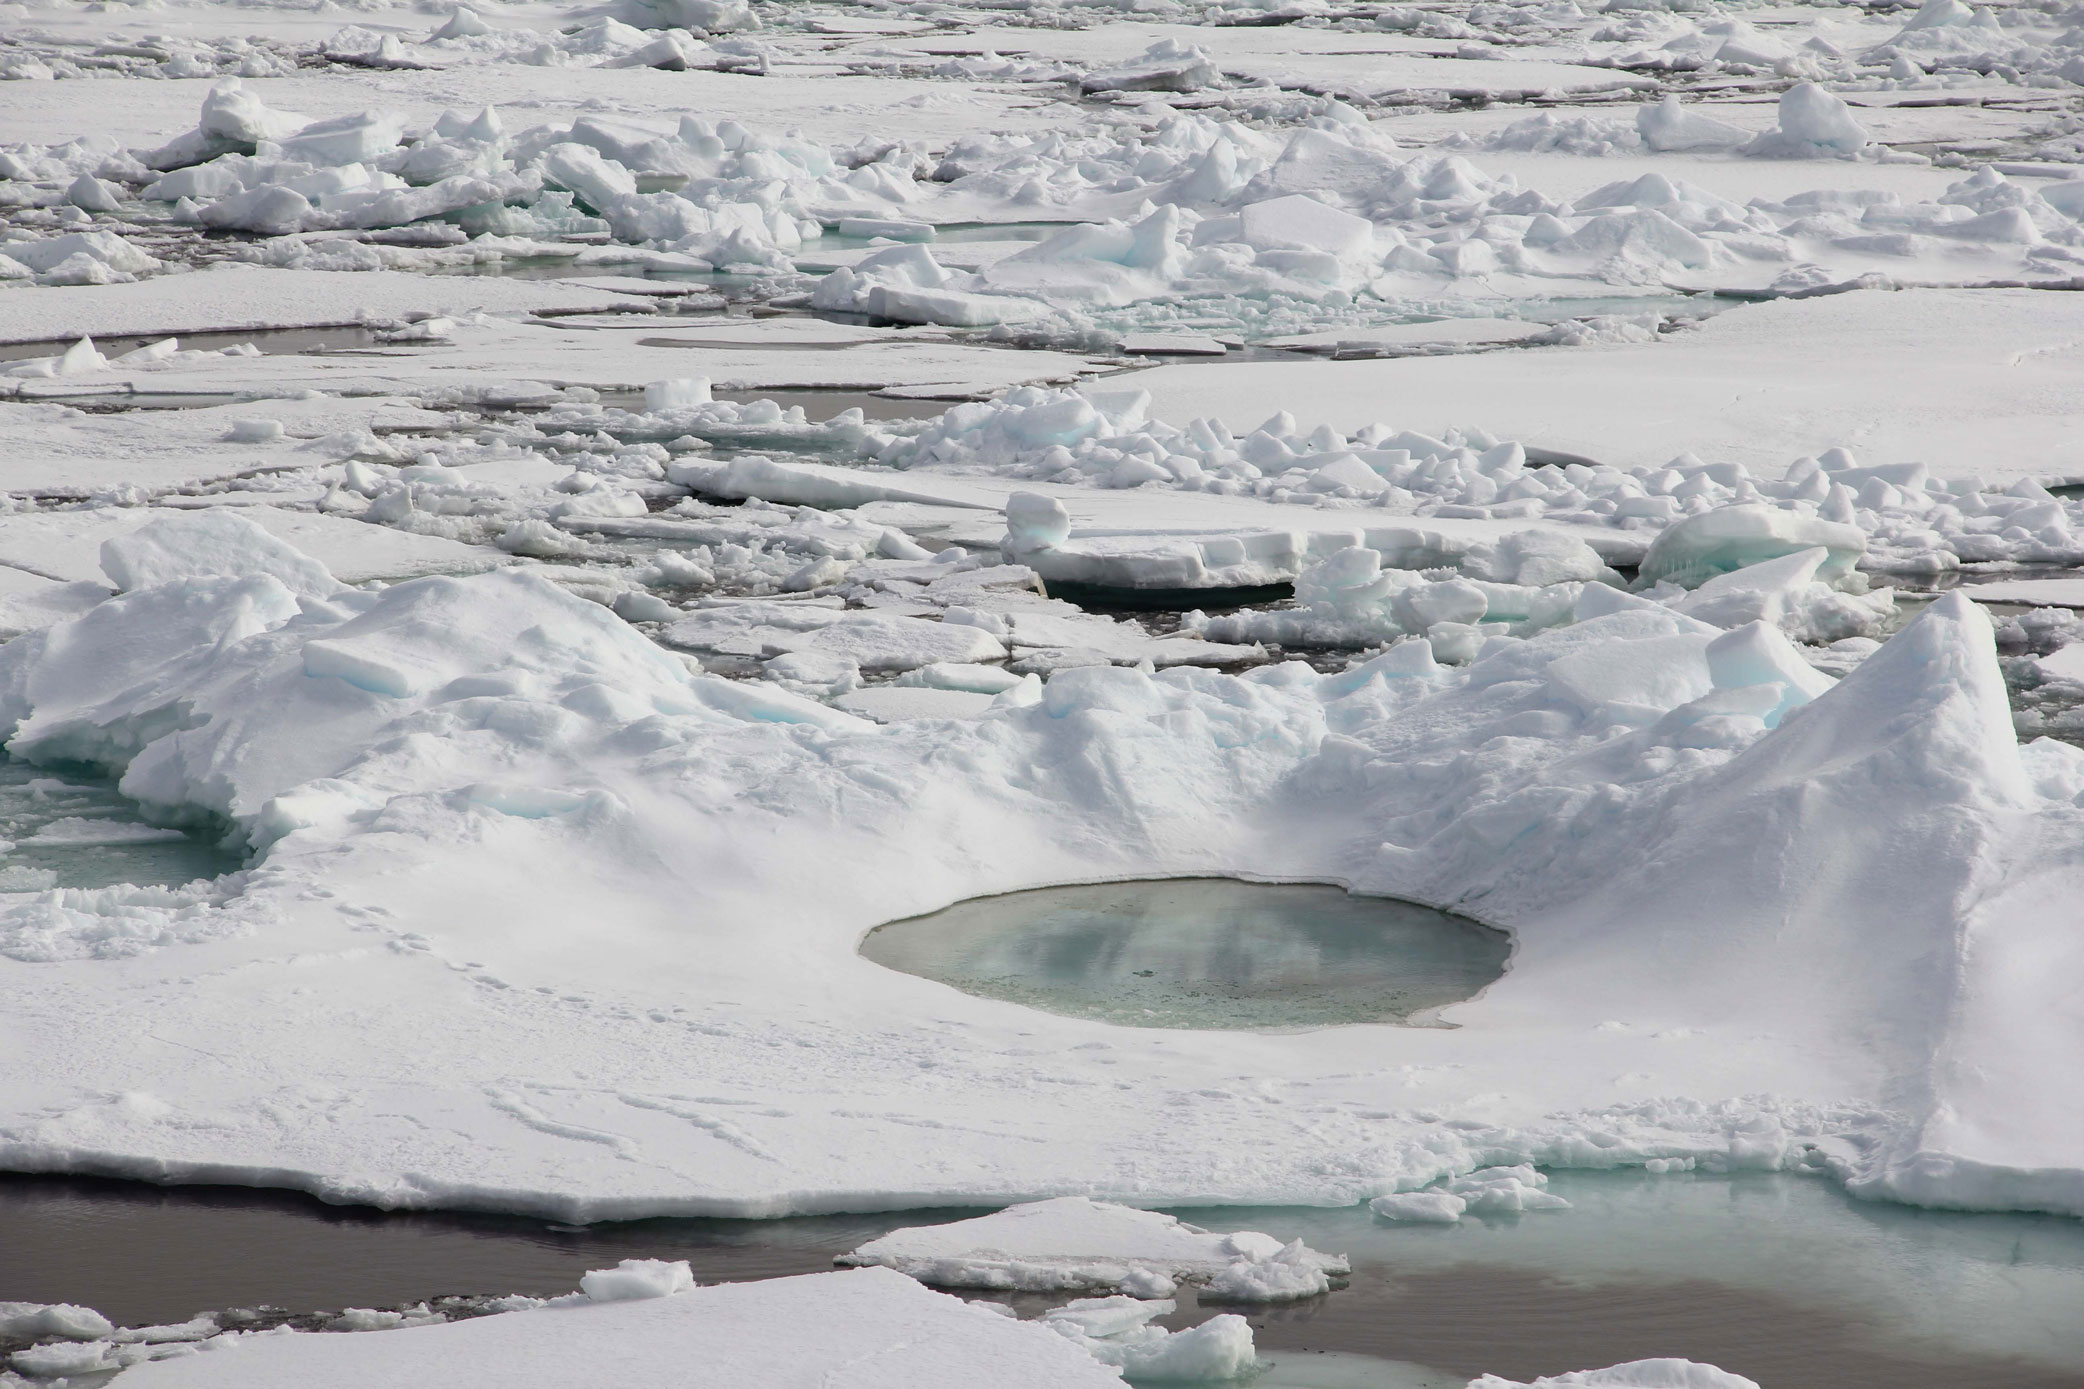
point(633, 1279)
point(1505, 1191)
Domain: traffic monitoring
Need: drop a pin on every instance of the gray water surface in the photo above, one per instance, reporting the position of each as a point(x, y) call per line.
point(1201, 952)
point(1780, 1277)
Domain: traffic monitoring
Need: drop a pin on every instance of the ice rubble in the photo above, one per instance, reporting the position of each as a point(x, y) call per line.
point(1896, 517)
point(1080, 1244)
point(1307, 222)
point(1349, 598)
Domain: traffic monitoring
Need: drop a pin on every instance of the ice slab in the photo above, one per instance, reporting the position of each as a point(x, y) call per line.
point(1075, 1243)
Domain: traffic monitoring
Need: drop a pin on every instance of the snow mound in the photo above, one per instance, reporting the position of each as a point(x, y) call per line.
point(1074, 1242)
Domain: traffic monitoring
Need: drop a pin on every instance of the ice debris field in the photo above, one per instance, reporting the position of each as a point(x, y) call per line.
point(528, 529)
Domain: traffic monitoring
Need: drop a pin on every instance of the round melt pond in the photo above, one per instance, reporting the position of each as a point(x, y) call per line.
point(1201, 953)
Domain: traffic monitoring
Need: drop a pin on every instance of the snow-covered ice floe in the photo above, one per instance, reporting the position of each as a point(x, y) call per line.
point(452, 736)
